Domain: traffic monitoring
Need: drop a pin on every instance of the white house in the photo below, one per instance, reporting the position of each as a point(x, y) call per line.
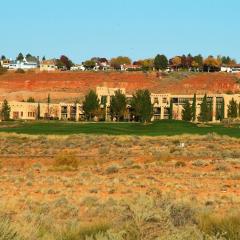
point(235, 69)
point(5, 63)
point(25, 65)
point(78, 68)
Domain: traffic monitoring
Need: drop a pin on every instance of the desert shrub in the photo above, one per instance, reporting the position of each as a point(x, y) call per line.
point(199, 163)
point(66, 159)
point(94, 231)
point(145, 219)
point(104, 150)
point(112, 169)
point(179, 164)
point(2, 70)
point(222, 168)
point(182, 214)
point(227, 226)
point(19, 70)
point(235, 176)
point(7, 232)
point(161, 155)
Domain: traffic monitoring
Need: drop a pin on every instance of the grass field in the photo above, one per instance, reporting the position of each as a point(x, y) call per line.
point(160, 128)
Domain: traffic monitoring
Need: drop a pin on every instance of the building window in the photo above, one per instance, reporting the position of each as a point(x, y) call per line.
point(21, 114)
point(164, 100)
point(156, 100)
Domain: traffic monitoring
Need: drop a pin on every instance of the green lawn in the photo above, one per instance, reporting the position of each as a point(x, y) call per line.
point(164, 127)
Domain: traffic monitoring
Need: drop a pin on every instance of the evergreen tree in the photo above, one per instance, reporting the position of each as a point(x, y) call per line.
point(220, 111)
point(233, 109)
point(31, 100)
point(171, 110)
point(38, 111)
point(91, 104)
point(118, 105)
point(48, 102)
point(142, 106)
point(194, 107)
point(205, 112)
point(160, 62)
point(5, 112)
point(20, 57)
point(210, 110)
point(187, 112)
point(239, 110)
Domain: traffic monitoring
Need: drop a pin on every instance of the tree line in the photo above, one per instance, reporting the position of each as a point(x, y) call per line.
point(207, 111)
point(159, 62)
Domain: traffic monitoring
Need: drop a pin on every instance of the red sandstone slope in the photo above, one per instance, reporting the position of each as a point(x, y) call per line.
point(66, 85)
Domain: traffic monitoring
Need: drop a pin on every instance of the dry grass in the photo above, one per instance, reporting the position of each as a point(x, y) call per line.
point(121, 187)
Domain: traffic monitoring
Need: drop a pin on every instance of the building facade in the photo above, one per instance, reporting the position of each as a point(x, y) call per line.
point(161, 106)
point(48, 65)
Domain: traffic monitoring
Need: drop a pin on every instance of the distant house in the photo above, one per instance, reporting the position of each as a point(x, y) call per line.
point(231, 69)
point(5, 63)
point(25, 65)
point(48, 65)
point(78, 68)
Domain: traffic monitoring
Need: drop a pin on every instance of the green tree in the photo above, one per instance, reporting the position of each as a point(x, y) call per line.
point(48, 102)
point(160, 62)
point(205, 110)
point(233, 109)
point(38, 111)
point(117, 62)
point(20, 57)
point(142, 106)
point(194, 107)
point(89, 64)
point(118, 105)
point(187, 112)
point(5, 112)
point(239, 110)
point(171, 110)
point(146, 64)
point(64, 62)
point(197, 62)
point(222, 110)
point(91, 104)
point(31, 100)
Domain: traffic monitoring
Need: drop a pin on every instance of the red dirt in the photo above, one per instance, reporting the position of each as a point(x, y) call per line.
point(66, 85)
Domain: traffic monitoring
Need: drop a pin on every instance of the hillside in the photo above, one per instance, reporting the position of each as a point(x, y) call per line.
point(72, 85)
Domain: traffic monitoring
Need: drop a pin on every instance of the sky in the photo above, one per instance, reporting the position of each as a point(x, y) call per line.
point(82, 29)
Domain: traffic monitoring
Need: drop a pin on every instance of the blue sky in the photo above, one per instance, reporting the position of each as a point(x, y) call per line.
point(82, 29)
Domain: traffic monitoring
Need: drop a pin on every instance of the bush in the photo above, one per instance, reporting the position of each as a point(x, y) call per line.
point(112, 169)
point(7, 232)
point(85, 232)
point(19, 70)
point(179, 164)
point(2, 70)
point(199, 163)
point(66, 159)
point(227, 226)
point(182, 214)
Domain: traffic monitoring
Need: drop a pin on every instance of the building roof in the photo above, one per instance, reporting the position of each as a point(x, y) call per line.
point(49, 62)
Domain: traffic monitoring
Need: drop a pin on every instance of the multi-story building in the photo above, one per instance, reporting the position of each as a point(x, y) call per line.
point(162, 103)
